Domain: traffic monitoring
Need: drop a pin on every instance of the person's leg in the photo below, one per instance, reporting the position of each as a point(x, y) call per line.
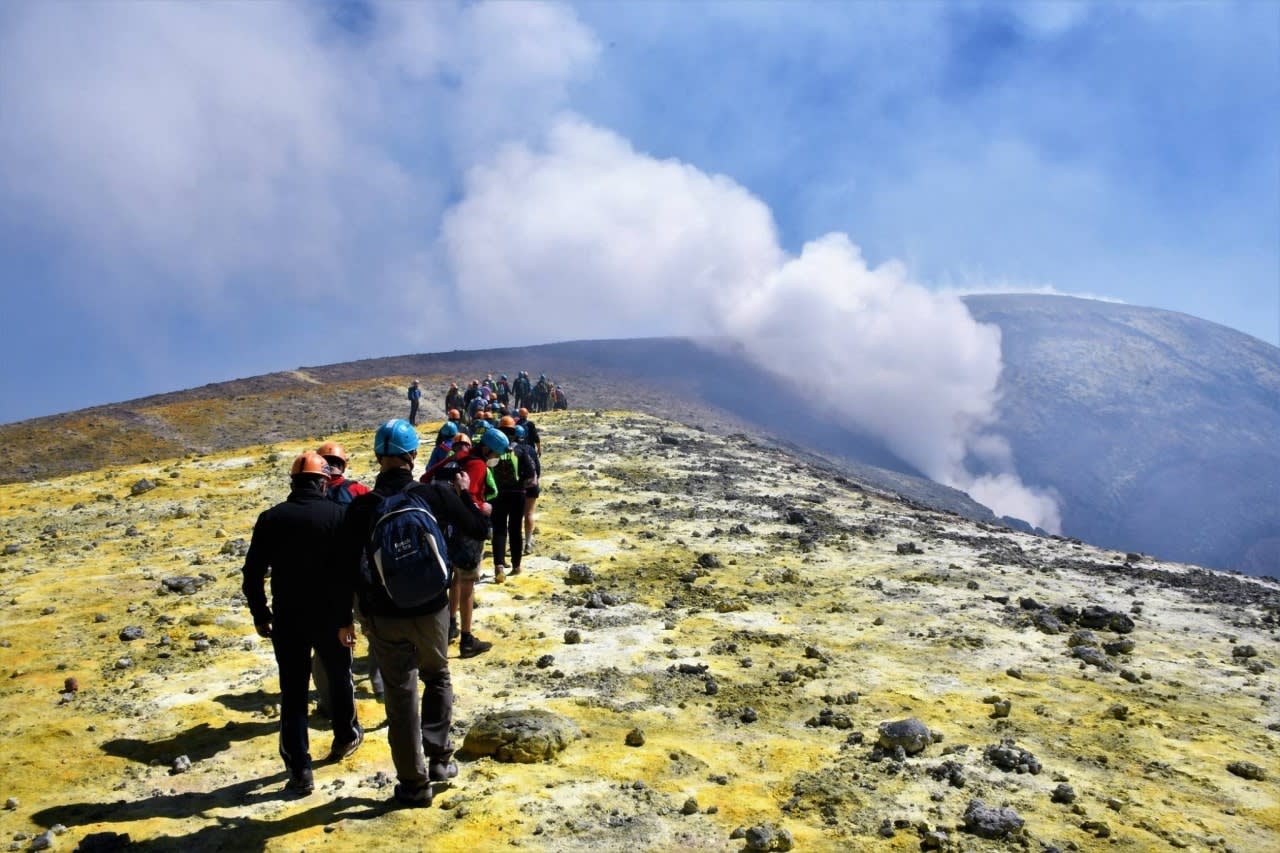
point(321, 680)
point(455, 601)
point(499, 520)
point(293, 654)
point(529, 503)
point(335, 660)
point(466, 604)
point(432, 646)
point(375, 675)
point(515, 522)
point(393, 639)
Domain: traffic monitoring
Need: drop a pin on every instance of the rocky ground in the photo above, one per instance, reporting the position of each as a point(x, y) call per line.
point(739, 650)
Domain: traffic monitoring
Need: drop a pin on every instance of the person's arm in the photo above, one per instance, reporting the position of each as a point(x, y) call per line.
point(256, 564)
point(449, 506)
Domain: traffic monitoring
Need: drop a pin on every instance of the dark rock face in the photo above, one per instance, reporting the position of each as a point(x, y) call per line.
point(1144, 461)
point(522, 737)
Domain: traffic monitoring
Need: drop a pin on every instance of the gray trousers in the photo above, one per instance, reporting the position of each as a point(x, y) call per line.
point(409, 649)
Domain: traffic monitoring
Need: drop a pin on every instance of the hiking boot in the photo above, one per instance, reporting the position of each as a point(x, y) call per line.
point(442, 771)
point(413, 797)
point(454, 633)
point(499, 574)
point(301, 782)
point(528, 544)
point(470, 646)
point(515, 570)
point(340, 751)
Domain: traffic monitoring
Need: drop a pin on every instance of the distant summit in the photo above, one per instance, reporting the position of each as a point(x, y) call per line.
point(1159, 431)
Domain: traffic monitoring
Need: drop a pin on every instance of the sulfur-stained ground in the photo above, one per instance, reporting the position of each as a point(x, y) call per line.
point(784, 581)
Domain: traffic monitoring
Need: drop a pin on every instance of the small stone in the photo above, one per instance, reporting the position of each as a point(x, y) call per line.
point(749, 715)
point(987, 822)
point(545, 661)
point(572, 636)
point(124, 663)
point(910, 734)
point(43, 841)
point(70, 685)
point(690, 807)
point(1244, 652)
point(710, 687)
point(11, 803)
point(181, 764)
point(141, 487)
point(99, 617)
point(1118, 712)
point(1064, 794)
point(201, 645)
point(635, 737)
point(580, 573)
point(709, 561)
point(738, 832)
point(1123, 646)
point(1000, 708)
point(1247, 770)
point(131, 633)
point(12, 548)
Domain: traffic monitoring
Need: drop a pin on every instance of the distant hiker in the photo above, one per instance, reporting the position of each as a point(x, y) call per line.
point(415, 394)
point(522, 390)
point(392, 555)
point(559, 402)
point(296, 542)
point(503, 388)
point(531, 438)
point(513, 473)
point(453, 398)
point(341, 491)
point(541, 394)
point(475, 408)
point(532, 492)
point(444, 444)
point(473, 391)
point(467, 474)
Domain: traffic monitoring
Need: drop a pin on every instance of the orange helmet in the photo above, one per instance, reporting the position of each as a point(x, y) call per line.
point(332, 448)
point(524, 413)
point(462, 438)
point(454, 414)
point(507, 421)
point(309, 462)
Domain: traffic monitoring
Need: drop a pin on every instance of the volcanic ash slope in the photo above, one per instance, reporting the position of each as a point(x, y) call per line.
point(756, 619)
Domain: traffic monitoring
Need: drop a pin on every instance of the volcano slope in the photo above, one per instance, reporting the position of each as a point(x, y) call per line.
point(741, 625)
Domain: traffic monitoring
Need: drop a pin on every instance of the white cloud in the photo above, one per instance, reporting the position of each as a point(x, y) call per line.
point(603, 239)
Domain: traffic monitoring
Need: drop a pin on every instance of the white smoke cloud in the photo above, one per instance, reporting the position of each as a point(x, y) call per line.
point(619, 243)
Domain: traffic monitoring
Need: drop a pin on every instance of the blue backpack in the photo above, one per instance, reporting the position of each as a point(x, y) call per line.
point(407, 550)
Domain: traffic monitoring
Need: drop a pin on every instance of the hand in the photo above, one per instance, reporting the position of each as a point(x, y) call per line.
point(263, 629)
point(487, 509)
point(347, 636)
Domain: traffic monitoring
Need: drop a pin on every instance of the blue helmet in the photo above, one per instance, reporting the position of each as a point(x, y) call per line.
point(449, 430)
point(495, 441)
point(520, 432)
point(395, 438)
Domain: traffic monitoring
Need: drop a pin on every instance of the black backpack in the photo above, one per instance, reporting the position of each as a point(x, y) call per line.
point(407, 549)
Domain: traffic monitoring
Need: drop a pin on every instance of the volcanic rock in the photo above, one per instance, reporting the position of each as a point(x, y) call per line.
point(521, 736)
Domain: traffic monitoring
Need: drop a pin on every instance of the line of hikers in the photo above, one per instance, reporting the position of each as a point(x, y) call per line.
point(406, 554)
point(501, 396)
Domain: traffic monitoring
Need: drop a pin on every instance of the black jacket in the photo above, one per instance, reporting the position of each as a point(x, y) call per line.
point(297, 541)
point(356, 579)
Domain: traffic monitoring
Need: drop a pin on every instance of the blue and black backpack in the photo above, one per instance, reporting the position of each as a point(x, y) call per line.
point(407, 550)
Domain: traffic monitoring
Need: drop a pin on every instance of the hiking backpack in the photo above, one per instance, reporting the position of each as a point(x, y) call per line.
point(407, 550)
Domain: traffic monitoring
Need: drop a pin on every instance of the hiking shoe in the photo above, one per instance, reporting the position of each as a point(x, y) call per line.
point(413, 797)
point(499, 574)
point(340, 751)
point(470, 646)
point(528, 544)
point(454, 633)
point(515, 570)
point(442, 771)
point(301, 782)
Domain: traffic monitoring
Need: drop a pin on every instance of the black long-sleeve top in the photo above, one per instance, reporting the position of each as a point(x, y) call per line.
point(297, 540)
point(357, 579)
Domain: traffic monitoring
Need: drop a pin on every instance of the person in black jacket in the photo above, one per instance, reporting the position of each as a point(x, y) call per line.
point(296, 541)
point(410, 644)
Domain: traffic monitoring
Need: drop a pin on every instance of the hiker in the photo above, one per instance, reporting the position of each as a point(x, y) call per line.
point(295, 541)
point(340, 491)
point(531, 438)
point(522, 390)
point(531, 492)
point(403, 596)
point(444, 444)
point(453, 398)
point(473, 391)
point(468, 475)
point(415, 394)
point(503, 390)
point(512, 473)
point(559, 402)
point(541, 393)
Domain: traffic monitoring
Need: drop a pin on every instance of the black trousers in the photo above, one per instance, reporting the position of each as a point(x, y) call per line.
point(413, 412)
point(293, 643)
point(508, 523)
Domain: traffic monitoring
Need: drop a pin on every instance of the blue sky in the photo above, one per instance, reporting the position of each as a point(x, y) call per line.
point(197, 192)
